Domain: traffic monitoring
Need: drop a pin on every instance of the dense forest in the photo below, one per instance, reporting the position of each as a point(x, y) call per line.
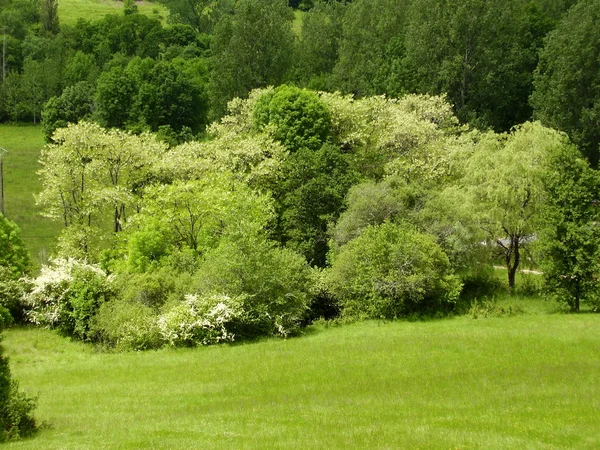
point(253, 165)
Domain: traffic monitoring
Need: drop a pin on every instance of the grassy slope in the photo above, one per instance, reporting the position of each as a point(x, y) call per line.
point(21, 182)
point(71, 10)
point(529, 381)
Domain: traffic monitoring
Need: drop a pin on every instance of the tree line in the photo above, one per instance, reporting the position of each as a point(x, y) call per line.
point(500, 64)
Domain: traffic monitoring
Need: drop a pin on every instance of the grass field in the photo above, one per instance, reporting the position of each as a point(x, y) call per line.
point(529, 381)
point(69, 11)
point(21, 182)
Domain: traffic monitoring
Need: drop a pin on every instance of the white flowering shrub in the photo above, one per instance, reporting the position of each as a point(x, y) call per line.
point(200, 320)
point(66, 295)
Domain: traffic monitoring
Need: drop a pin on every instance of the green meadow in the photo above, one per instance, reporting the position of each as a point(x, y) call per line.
point(528, 381)
point(21, 183)
point(69, 11)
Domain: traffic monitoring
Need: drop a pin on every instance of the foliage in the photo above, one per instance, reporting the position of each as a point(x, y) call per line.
point(310, 197)
point(274, 283)
point(66, 295)
point(480, 53)
point(89, 175)
point(13, 253)
point(391, 270)
point(11, 292)
point(569, 234)
point(566, 95)
point(251, 49)
point(126, 326)
point(504, 177)
point(298, 117)
point(74, 104)
point(371, 48)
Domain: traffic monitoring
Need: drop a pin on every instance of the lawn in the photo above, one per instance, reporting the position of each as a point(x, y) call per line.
point(21, 182)
point(69, 11)
point(528, 381)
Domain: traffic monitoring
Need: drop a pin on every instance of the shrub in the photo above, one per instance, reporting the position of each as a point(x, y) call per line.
point(11, 293)
point(16, 419)
point(274, 282)
point(392, 270)
point(200, 320)
point(126, 325)
point(66, 295)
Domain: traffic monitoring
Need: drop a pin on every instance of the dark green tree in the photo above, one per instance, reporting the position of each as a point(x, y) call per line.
point(171, 96)
point(570, 234)
point(252, 48)
point(567, 80)
point(372, 48)
point(481, 53)
point(49, 16)
point(74, 104)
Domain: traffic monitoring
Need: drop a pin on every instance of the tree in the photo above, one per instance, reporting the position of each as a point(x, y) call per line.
point(171, 95)
point(13, 253)
point(504, 178)
point(567, 80)
point(318, 48)
point(372, 47)
point(252, 48)
point(300, 119)
point(90, 175)
point(74, 104)
point(481, 53)
point(49, 16)
point(569, 234)
point(115, 97)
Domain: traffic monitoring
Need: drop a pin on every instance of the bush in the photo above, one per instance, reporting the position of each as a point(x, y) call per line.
point(11, 293)
point(200, 320)
point(274, 283)
point(392, 270)
point(16, 419)
point(66, 295)
point(126, 326)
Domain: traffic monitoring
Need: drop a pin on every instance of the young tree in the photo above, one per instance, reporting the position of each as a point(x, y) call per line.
point(504, 178)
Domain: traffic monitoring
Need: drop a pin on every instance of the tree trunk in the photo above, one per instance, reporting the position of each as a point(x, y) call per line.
point(513, 257)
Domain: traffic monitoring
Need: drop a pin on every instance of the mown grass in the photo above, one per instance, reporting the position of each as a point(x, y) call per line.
point(529, 381)
point(21, 183)
point(69, 11)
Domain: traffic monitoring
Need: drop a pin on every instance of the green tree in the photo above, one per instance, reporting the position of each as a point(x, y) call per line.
point(300, 119)
point(13, 253)
point(115, 97)
point(567, 80)
point(481, 53)
point(318, 48)
point(504, 177)
point(74, 104)
point(252, 48)
point(372, 48)
point(171, 95)
point(570, 235)
point(49, 16)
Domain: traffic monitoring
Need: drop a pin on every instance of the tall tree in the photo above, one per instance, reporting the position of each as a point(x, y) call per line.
point(567, 80)
point(49, 16)
point(252, 48)
point(481, 53)
point(372, 48)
